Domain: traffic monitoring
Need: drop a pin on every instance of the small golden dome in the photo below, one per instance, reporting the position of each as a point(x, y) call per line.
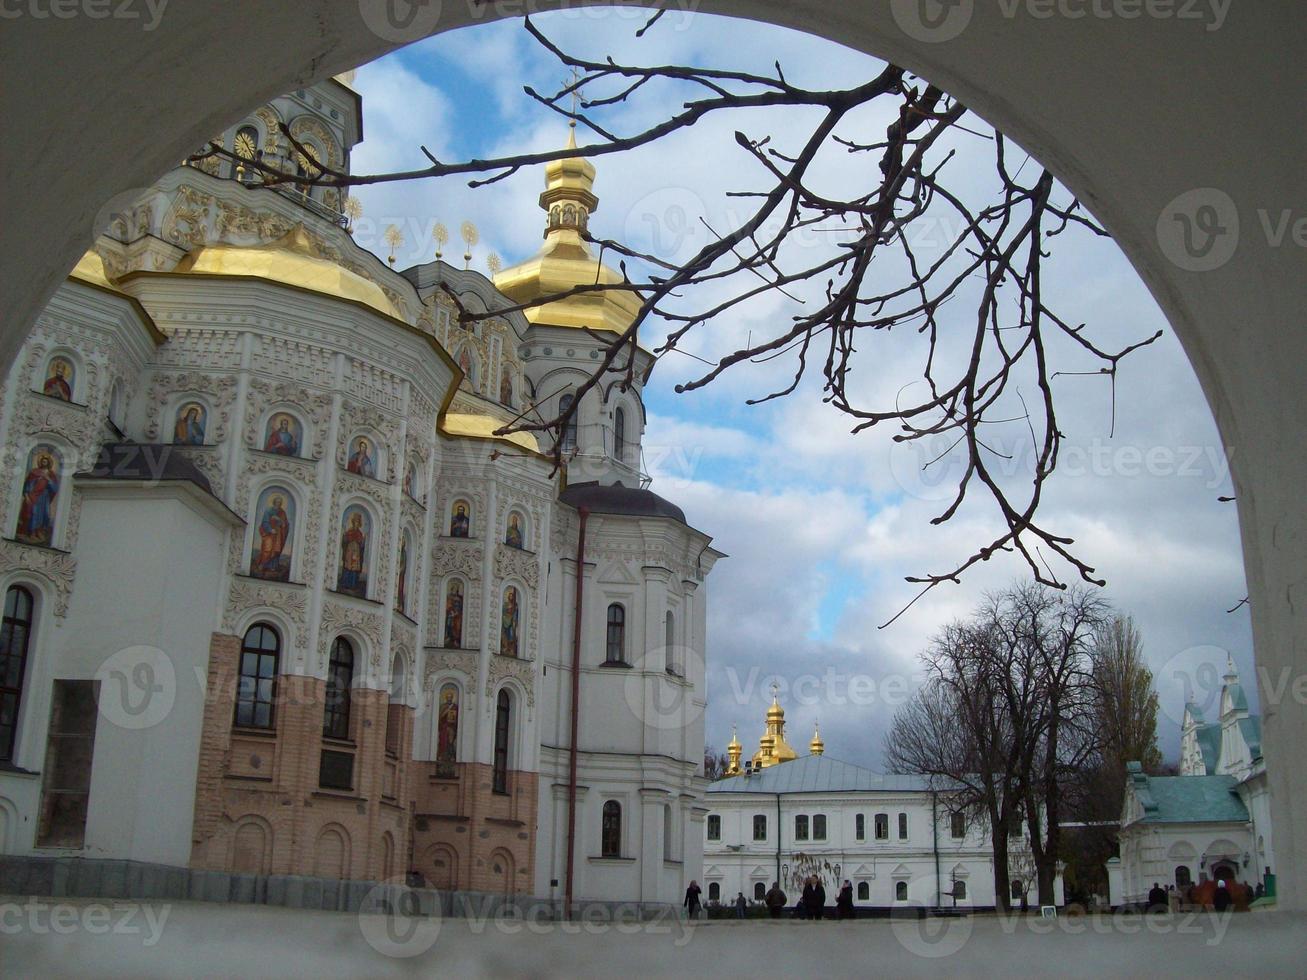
point(292, 261)
point(816, 746)
point(734, 743)
point(565, 260)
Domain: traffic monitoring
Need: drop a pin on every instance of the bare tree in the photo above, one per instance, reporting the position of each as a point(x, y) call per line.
point(1005, 718)
point(975, 306)
point(957, 730)
point(715, 764)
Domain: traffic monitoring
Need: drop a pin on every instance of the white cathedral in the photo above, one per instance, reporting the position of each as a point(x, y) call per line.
point(279, 602)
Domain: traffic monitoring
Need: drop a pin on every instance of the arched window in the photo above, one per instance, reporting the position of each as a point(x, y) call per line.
point(958, 825)
point(616, 634)
point(1183, 879)
point(900, 891)
point(714, 826)
point(1017, 889)
point(903, 826)
point(255, 691)
point(619, 435)
point(568, 437)
point(340, 677)
point(864, 891)
point(669, 643)
point(759, 891)
point(760, 826)
point(860, 826)
point(819, 826)
point(668, 854)
point(801, 827)
point(959, 889)
point(503, 719)
point(714, 892)
point(610, 838)
point(15, 638)
point(882, 826)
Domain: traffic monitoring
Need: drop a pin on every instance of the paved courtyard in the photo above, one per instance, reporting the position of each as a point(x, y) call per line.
point(87, 937)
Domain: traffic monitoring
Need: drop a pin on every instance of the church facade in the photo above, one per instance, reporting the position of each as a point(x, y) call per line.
point(279, 601)
point(1211, 822)
point(896, 840)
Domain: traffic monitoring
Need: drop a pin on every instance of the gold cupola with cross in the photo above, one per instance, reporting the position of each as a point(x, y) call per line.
point(733, 751)
point(772, 747)
point(565, 260)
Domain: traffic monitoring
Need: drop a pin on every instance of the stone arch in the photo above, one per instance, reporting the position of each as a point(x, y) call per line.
point(501, 869)
point(440, 865)
point(386, 868)
point(331, 852)
point(990, 65)
point(251, 846)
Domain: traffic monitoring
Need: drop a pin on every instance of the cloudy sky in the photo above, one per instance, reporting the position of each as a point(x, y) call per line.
point(822, 526)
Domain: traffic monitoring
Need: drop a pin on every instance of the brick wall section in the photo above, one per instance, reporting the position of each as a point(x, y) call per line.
point(267, 783)
point(489, 836)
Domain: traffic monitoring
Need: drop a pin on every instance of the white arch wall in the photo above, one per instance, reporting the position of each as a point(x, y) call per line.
point(1130, 113)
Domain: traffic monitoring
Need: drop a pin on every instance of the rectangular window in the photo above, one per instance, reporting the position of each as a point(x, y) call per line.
point(336, 770)
point(15, 637)
point(958, 826)
point(819, 827)
point(760, 827)
point(882, 826)
point(903, 826)
point(714, 826)
point(860, 826)
point(801, 827)
point(66, 786)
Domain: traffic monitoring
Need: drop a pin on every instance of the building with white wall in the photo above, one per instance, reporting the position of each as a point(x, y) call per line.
point(1213, 820)
point(897, 841)
point(279, 600)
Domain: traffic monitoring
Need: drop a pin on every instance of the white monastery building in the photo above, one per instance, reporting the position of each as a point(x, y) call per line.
point(279, 601)
point(1212, 822)
point(897, 841)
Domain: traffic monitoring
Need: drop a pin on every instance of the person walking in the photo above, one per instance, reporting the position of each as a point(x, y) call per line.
point(691, 903)
point(775, 899)
point(1157, 899)
point(740, 905)
point(818, 898)
point(844, 901)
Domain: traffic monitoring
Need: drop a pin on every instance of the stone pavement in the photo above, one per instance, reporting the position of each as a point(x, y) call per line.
point(121, 938)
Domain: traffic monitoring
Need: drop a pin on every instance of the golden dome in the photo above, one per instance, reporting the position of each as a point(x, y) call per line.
point(816, 746)
point(734, 743)
point(565, 260)
point(292, 261)
point(772, 747)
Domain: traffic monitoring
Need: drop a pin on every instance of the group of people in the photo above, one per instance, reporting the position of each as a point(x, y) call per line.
point(812, 903)
point(1219, 895)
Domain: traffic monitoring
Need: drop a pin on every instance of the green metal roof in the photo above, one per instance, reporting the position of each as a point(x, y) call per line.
point(1189, 799)
point(818, 774)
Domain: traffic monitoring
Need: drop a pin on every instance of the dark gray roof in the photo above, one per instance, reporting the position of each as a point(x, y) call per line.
point(1209, 743)
point(142, 461)
point(1251, 728)
point(617, 499)
point(819, 774)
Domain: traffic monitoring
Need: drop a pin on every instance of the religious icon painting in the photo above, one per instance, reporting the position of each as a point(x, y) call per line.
point(284, 434)
point(447, 732)
point(189, 424)
point(460, 520)
point(274, 535)
point(60, 377)
point(510, 622)
point(356, 529)
point(36, 509)
point(362, 457)
point(513, 534)
point(454, 615)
